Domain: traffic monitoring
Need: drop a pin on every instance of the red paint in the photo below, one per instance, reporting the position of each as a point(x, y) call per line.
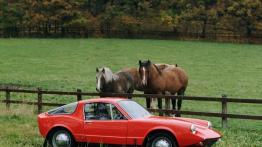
point(129, 131)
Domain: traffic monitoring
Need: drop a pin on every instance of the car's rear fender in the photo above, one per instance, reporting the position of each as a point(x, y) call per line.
point(57, 127)
point(62, 127)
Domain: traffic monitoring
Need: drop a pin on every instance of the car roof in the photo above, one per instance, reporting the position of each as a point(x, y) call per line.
point(104, 99)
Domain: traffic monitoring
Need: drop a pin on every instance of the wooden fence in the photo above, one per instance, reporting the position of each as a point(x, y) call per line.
point(79, 94)
point(83, 32)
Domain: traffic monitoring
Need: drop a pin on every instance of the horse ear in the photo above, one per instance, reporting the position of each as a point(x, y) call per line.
point(148, 61)
point(140, 62)
point(103, 70)
point(97, 70)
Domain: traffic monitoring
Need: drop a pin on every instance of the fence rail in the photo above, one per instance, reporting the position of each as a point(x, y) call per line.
point(79, 94)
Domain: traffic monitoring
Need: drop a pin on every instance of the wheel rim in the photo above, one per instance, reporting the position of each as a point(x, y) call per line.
point(162, 142)
point(61, 139)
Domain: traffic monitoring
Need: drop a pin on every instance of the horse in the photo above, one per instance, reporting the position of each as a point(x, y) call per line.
point(172, 79)
point(136, 77)
point(108, 82)
point(134, 72)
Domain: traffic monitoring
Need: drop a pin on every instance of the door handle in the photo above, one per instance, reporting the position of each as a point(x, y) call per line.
point(88, 122)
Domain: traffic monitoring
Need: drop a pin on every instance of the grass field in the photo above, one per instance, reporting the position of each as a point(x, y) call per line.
point(67, 64)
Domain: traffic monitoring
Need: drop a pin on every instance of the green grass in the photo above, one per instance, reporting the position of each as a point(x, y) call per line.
point(67, 64)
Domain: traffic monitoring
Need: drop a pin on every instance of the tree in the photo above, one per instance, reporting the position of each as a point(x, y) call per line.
point(11, 15)
point(199, 11)
point(247, 13)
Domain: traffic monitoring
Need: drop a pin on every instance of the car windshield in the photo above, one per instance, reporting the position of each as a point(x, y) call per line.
point(134, 109)
point(66, 109)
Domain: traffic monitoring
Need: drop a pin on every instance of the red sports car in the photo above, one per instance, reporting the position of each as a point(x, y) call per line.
point(116, 121)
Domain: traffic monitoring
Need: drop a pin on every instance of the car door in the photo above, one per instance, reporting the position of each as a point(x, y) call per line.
point(104, 123)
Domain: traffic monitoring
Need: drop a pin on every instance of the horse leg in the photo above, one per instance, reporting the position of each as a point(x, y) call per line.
point(173, 102)
point(130, 91)
point(167, 103)
point(148, 102)
point(159, 101)
point(179, 102)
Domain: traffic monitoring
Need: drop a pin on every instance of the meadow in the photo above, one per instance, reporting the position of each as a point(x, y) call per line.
point(67, 64)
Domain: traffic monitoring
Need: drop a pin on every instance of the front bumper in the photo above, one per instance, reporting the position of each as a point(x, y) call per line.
point(206, 143)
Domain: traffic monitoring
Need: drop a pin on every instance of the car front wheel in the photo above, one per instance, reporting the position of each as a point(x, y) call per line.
point(61, 138)
point(161, 140)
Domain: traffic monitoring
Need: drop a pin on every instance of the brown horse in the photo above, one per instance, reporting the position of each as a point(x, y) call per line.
point(172, 79)
point(136, 76)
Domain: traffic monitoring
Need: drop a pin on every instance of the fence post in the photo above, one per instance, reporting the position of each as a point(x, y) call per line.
point(39, 100)
point(224, 111)
point(7, 96)
point(79, 95)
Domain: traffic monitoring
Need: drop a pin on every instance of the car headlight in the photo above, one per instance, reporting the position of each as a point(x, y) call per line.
point(209, 125)
point(193, 129)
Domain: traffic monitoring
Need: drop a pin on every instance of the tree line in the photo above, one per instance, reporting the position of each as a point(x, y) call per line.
point(238, 17)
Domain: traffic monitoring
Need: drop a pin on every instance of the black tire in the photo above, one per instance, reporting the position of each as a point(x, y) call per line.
point(64, 134)
point(159, 138)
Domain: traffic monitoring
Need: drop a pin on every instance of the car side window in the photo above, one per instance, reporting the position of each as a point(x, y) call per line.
point(66, 109)
point(90, 111)
point(116, 114)
point(102, 111)
point(97, 111)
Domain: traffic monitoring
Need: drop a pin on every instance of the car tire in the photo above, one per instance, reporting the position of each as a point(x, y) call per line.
point(161, 139)
point(61, 138)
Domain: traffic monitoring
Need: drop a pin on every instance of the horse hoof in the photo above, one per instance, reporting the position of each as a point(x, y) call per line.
point(178, 115)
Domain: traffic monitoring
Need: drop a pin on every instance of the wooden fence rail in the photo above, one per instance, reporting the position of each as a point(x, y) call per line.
point(79, 94)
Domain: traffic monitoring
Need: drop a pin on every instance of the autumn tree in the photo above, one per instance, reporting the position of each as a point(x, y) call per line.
point(247, 13)
point(176, 16)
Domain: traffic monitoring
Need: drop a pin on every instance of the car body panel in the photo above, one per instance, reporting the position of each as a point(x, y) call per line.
point(128, 131)
point(104, 131)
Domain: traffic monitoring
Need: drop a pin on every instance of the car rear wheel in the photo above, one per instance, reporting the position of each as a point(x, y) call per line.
point(61, 138)
point(161, 140)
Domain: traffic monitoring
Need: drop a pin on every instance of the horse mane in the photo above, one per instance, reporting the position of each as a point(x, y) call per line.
point(109, 75)
point(158, 70)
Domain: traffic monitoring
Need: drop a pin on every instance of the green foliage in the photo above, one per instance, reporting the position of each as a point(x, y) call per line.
point(201, 16)
point(247, 12)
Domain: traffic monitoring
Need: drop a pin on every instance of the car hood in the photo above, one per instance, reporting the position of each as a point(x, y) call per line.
point(179, 120)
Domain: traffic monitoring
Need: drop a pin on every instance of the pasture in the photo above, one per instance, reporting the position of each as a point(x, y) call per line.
point(67, 64)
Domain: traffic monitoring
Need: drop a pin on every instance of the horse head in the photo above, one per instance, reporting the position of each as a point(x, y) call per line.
point(144, 71)
point(103, 76)
point(145, 68)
